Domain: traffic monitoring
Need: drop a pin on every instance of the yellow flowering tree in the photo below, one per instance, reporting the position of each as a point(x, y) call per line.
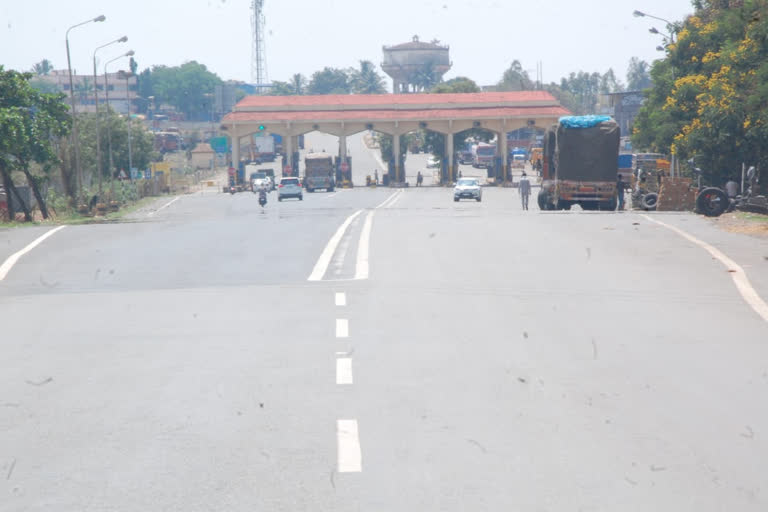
point(710, 94)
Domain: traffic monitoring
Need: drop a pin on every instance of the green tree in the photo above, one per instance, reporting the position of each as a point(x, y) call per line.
point(609, 83)
point(115, 126)
point(29, 123)
point(638, 75)
point(515, 78)
point(44, 67)
point(329, 81)
point(366, 80)
point(709, 96)
point(299, 83)
point(184, 87)
point(456, 85)
point(427, 77)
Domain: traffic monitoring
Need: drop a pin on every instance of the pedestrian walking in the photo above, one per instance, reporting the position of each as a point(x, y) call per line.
point(524, 189)
point(419, 179)
point(376, 176)
point(620, 191)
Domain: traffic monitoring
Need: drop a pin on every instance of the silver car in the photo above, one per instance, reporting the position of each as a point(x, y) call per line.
point(468, 188)
point(290, 187)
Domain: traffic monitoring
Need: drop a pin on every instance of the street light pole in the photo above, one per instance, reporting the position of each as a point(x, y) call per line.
point(96, 96)
point(129, 53)
point(127, 75)
point(75, 140)
point(640, 14)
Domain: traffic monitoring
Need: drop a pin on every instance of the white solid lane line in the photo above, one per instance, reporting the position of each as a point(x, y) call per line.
point(166, 205)
point(361, 265)
point(341, 299)
point(13, 258)
point(385, 202)
point(344, 370)
point(748, 293)
point(325, 257)
point(342, 328)
point(348, 442)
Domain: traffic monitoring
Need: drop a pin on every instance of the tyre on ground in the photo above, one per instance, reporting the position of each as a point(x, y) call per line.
point(712, 202)
point(649, 201)
point(542, 200)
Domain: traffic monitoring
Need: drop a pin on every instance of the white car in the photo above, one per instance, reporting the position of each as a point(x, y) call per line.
point(290, 187)
point(468, 188)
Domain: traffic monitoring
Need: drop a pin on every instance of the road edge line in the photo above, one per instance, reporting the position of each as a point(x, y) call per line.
point(739, 276)
point(166, 205)
point(11, 260)
point(321, 266)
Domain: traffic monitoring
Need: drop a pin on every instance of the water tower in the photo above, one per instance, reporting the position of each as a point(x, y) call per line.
point(415, 66)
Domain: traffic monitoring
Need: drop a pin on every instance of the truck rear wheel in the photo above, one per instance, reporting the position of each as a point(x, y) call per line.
point(564, 205)
point(543, 200)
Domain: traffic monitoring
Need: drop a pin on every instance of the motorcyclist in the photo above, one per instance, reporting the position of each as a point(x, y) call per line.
point(263, 194)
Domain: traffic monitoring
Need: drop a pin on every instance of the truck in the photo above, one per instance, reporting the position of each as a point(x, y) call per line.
point(318, 172)
point(483, 155)
point(167, 142)
point(263, 148)
point(580, 164)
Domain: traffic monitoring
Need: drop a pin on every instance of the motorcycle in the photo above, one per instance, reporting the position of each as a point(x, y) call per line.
point(262, 198)
point(232, 189)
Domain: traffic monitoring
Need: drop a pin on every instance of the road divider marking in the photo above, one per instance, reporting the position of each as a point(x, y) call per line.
point(391, 199)
point(342, 328)
point(747, 291)
point(341, 299)
point(13, 258)
point(348, 444)
point(344, 370)
point(166, 205)
point(325, 257)
point(363, 247)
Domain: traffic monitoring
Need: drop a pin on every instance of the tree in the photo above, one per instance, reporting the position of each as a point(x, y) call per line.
point(29, 123)
point(709, 94)
point(115, 126)
point(329, 81)
point(515, 79)
point(366, 80)
point(184, 87)
point(299, 83)
point(638, 75)
point(133, 65)
point(44, 67)
point(426, 77)
point(456, 85)
point(609, 83)
point(83, 90)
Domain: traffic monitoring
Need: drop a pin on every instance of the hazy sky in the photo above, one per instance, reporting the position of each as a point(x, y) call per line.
point(303, 36)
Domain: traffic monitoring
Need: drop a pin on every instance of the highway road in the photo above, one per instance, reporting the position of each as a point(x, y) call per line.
point(376, 349)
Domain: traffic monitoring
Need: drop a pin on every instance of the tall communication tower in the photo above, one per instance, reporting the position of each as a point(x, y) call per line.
point(258, 47)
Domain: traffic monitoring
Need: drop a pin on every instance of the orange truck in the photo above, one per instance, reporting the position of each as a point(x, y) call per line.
point(580, 164)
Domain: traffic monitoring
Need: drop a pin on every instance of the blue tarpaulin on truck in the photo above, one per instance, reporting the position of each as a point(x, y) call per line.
point(582, 121)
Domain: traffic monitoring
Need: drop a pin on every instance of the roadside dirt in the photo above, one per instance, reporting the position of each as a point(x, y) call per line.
point(752, 224)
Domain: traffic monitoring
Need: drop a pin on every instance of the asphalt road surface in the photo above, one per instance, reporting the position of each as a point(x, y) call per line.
point(374, 349)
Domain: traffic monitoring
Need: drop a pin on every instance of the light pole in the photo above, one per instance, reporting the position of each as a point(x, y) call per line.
point(78, 169)
point(640, 14)
point(96, 96)
point(127, 75)
point(129, 53)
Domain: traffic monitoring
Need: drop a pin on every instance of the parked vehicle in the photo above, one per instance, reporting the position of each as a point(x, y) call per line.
point(468, 188)
point(290, 187)
point(580, 164)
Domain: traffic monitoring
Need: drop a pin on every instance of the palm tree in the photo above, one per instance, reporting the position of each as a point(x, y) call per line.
point(367, 80)
point(427, 77)
point(84, 90)
point(43, 67)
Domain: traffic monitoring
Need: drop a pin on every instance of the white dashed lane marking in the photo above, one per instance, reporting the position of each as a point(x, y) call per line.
point(348, 444)
point(344, 370)
point(341, 299)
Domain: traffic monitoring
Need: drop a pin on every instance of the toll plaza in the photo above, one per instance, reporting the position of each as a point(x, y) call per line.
point(395, 115)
